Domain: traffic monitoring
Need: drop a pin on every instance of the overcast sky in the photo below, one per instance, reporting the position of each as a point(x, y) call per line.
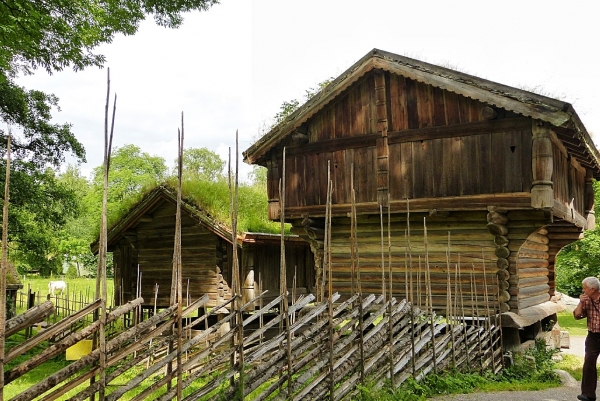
point(232, 67)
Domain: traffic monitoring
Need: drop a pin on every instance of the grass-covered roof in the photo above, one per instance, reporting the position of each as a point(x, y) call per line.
point(212, 199)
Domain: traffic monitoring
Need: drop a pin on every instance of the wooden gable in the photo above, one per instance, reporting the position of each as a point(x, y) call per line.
point(142, 244)
point(439, 144)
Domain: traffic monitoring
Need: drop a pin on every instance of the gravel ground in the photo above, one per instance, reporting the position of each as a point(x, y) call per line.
point(563, 393)
point(553, 394)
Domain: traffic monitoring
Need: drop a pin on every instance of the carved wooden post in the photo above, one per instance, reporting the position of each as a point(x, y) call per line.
point(589, 200)
point(382, 143)
point(542, 192)
point(273, 189)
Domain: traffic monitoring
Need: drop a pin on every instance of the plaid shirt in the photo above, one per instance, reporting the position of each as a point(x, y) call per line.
point(591, 310)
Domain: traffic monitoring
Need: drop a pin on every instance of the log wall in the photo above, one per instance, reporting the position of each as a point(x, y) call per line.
point(533, 271)
point(471, 246)
point(124, 261)
point(204, 258)
point(516, 250)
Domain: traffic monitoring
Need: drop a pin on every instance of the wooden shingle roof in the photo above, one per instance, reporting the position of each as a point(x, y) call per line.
point(558, 113)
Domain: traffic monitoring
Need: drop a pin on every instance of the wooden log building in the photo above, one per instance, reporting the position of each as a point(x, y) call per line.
point(143, 240)
point(484, 183)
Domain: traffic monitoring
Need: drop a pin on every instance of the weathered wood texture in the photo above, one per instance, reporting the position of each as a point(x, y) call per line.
point(206, 259)
point(516, 250)
point(263, 260)
point(149, 245)
point(532, 272)
point(421, 342)
point(439, 144)
point(419, 142)
point(414, 335)
point(471, 246)
point(527, 272)
point(568, 180)
point(452, 156)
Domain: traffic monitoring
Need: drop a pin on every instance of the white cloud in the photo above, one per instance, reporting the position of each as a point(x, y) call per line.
point(231, 68)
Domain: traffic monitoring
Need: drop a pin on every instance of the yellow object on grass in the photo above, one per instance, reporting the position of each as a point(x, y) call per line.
point(79, 350)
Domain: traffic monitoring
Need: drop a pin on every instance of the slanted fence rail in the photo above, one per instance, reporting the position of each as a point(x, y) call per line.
point(64, 303)
point(141, 361)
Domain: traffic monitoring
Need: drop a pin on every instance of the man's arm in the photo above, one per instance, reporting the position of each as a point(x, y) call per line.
point(579, 312)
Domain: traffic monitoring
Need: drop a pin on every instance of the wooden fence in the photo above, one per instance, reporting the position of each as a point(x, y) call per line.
point(65, 303)
point(308, 353)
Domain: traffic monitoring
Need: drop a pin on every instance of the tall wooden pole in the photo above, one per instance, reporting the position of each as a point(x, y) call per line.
point(240, 331)
point(412, 305)
point(236, 274)
point(390, 275)
point(487, 312)
point(101, 278)
point(499, 320)
point(330, 281)
point(476, 317)
point(429, 296)
point(449, 313)
point(4, 267)
point(358, 283)
point(352, 234)
point(382, 252)
point(419, 283)
point(462, 308)
point(283, 281)
point(177, 259)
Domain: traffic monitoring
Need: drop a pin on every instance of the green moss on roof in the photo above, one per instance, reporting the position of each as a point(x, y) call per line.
point(212, 199)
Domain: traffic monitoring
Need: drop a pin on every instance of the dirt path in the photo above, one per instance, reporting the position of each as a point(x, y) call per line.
point(553, 394)
point(563, 393)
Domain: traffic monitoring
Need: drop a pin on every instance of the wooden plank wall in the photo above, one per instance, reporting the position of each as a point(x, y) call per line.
point(471, 245)
point(124, 262)
point(155, 257)
point(568, 180)
point(526, 260)
point(264, 259)
point(534, 242)
point(479, 162)
point(497, 162)
point(532, 271)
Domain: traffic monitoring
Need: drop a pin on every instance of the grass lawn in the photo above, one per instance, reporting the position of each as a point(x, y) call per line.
point(82, 289)
point(568, 323)
point(571, 363)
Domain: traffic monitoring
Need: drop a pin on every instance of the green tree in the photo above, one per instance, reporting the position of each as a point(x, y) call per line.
point(56, 34)
point(76, 235)
point(201, 164)
point(580, 259)
point(40, 205)
point(131, 171)
point(258, 176)
point(53, 35)
point(287, 108)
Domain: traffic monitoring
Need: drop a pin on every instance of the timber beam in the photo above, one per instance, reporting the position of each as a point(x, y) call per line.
point(509, 201)
point(411, 135)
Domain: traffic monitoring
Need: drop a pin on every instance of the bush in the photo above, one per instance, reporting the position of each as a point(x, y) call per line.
point(531, 370)
point(534, 364)
point(71, 272)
